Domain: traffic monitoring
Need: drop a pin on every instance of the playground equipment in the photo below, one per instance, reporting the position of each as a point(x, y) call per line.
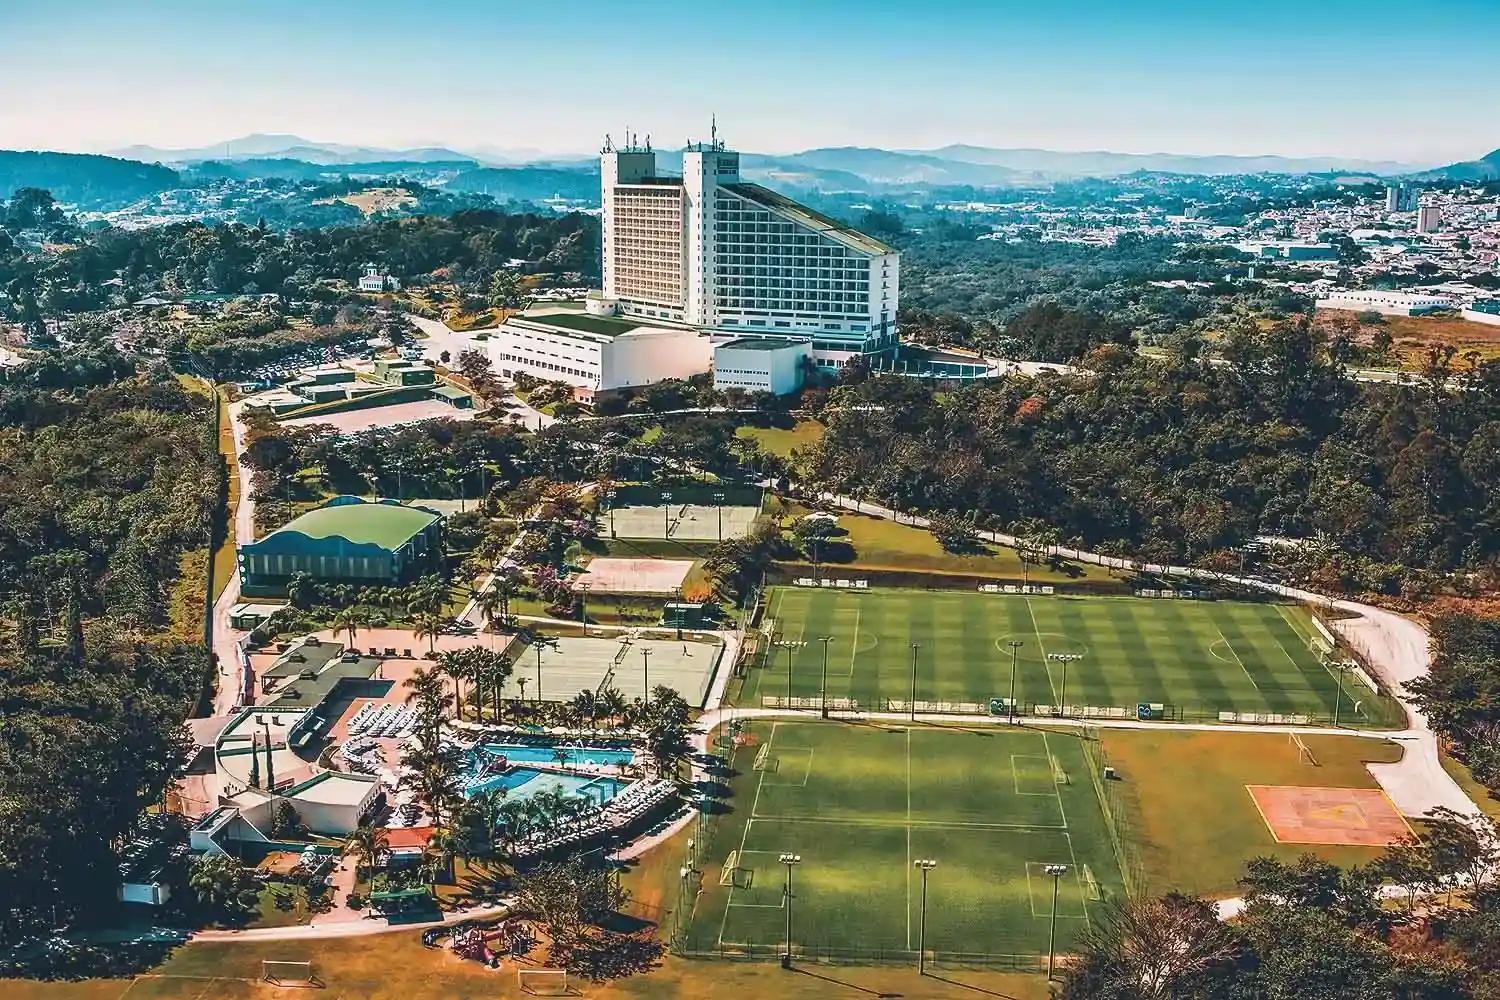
point(513, 936)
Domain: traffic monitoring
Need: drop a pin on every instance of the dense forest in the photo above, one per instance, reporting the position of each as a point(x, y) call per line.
point(1180, 459)
point(82, 178)
point(189, 258)
point(108, 479)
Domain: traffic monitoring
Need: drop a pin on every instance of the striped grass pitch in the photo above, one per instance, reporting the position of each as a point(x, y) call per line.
point(1203, 656)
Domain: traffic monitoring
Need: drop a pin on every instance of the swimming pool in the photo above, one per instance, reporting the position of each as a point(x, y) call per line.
point(524, 782)
point(522, 753)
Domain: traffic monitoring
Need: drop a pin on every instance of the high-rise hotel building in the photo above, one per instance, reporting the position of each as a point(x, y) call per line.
point(709, 250)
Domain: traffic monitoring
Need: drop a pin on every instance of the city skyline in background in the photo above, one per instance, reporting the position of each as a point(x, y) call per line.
point(1357, 80)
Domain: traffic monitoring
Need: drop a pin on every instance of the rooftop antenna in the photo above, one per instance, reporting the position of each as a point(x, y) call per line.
point(713, 132)
point(648, 142)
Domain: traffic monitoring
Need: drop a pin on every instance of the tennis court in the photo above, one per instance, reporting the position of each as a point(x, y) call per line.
point(695, 512)
point(622, 660)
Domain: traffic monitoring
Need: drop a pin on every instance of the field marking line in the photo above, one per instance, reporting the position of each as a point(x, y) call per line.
point(854, 646)
point(1078, 877)
point(758, 906)
point(908, 838)
point(1337, 680)
point(1270, 827)
point(1015, 775)
point(1031, 894)
point(806, 769)
point(920, 824)
point(1061, 811)
point(745, 835)
point(1046, 663)
point(1236, 654)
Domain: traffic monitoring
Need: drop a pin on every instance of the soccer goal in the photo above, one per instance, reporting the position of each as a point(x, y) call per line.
point(1304, 752)
point(1059, 775)
point(544, 982)
point(285, 973)
point(763, 759)
point(734, 875)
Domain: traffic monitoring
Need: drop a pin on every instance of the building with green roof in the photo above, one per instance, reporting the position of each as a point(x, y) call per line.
point(347, 540)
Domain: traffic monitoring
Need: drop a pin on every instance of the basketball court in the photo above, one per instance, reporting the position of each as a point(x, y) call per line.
point(1361, 817)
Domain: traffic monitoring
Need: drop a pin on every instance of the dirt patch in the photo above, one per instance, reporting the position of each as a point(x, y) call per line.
point(1356, 817)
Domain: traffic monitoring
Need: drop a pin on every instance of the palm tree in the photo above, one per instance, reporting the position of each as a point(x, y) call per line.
point(611, 703)
point(348, 619)
point(454, 666)
point(366, 844)
point(586, 706)
point(489, 805)
point(429, 626)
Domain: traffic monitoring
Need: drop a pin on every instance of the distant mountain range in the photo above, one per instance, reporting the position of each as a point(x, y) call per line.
point(1486, 168)
point(285, 147)
point(528, 175)
point(949, 165)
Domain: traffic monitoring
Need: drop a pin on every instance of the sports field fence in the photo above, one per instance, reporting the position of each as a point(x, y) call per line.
point(1111, 793)
point(1379, 710)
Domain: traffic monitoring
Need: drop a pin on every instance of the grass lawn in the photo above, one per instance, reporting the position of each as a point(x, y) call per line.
point(1482, 796)
point(1184, 806)
point(278, 914)
point(882, 544)
point(395, 966)
point(780, 441)
point(860, 803)
point(1199, 657)
point(1412, 335)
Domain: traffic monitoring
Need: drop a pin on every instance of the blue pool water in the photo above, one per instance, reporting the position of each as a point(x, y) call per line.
point(524, 782)
point(524, 754)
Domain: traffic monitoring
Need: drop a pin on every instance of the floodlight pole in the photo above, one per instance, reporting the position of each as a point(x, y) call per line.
point(823, 694)
point(790, 861)
point(1057, 872)
point(1064, 659)
point(912, 705)
point(609, 496)
point(1014, 644)
point(1338, 689)
point(666, 515)
point(788, 644)
point(583, 605)
point(924, 865)
point(646, 674)
point(538, 648)
point(719, 507)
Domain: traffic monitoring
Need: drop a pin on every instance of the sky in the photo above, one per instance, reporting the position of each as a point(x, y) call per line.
point(1374, 79)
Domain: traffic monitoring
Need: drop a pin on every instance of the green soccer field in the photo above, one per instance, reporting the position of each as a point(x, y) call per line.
point(1199, 657)
point(860, 803)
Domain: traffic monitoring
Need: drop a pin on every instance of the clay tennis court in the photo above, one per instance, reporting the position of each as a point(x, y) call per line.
point(1362, 817)
point(608, 575)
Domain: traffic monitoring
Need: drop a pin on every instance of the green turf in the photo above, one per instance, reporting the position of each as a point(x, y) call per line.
point(860, 803)
point(1201, 658)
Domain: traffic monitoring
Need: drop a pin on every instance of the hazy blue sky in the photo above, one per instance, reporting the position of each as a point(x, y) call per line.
point(1368, 78)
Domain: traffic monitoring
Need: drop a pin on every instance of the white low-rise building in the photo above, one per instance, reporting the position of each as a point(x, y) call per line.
point(373, 281)
point(1385, 303)
point(597, 354)
point(760, 364)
